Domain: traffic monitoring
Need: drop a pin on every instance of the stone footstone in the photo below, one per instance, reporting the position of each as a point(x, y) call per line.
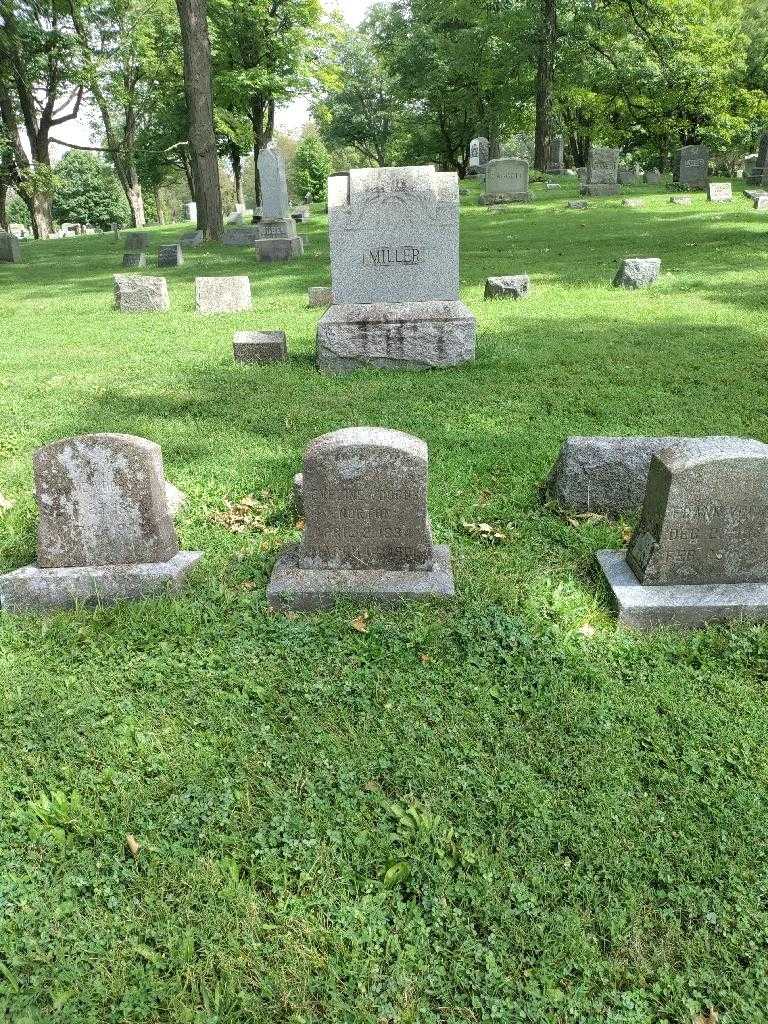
point(136, 293)
point(320, 296)
point(170, 256)
point(222, 294)
point(366, 533)
point(260, 346)
point(395, 336)
point(10, 248)
point(637, 273)
point(634, 203)
point(278, 250)
point(681, 200)
point(515, 287)
point(134, 258)
point(607, 474)
point(33, 589)
point(577, 204)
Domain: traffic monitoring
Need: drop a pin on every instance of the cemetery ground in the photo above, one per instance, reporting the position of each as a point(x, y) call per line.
point(505, 808)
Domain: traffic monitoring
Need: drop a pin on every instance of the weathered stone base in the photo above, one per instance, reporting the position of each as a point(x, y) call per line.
point(260, 346)
point(291, 587)
point(600, 190)
point(685, 606)
point(32, 589)
point(502, 198)
point(395, 336)
point(278, 228)
point(279, 250)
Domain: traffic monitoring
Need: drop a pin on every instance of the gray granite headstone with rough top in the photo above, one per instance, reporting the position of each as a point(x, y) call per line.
point(134, 258)
point(394, 272)
point(170, 256)
point(135, 293)
point(700, 551)
point(105, 531)
point(637, 273)
point(515, 286)
point(691, 167)
point(10, 248)
point(506, 181)
point(222, 294)
point(601, 178)
point(366, 529)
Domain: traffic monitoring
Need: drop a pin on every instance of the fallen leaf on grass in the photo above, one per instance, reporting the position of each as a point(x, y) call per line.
point(626, 533)
point(580, 518)
point(5, 504)
point(249, 513)
point(424, 659)
point(710, 1016)
point(484, 531)
point(132, 846)
point(361, 622)
point(248, 585)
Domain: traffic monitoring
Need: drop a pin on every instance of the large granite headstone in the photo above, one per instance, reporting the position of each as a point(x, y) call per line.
point(170, 255)
point(10, 248)
point(700, 551)
point(276, 222)
point(691, 167)
point(136, 241)
point(601, 178)
point(104, 532)
point(367, 534)
point(506, 181)
point(394, 272)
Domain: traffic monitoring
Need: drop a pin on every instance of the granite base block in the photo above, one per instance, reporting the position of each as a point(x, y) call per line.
point(293, 588)
point(504, 198)
point(600, 190)
point(32, 589)
point(684, 606)
point(395, 336)
point(279, 250)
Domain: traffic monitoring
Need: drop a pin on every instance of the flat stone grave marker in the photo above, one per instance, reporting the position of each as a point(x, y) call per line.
point(602, 172)
point(260, 346)
point(719, 192)
point(222, 294)
point(170, 256)
point(367, 533)
point(691, 167)
point(681, 200)
point(135, 293)
point(634, 203)
point(394, 272)
point(104, 532)
point(506, 181)
point(516, 286)
point(700, 551)
point(637, 273)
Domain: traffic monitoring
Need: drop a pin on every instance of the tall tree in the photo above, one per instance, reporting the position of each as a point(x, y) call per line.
point(39, 90)
point(545, 77)
point(193, 15)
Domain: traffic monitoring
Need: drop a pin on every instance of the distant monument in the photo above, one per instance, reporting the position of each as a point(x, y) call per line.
point(601, 178)
point(275, 234)
point(479, 152)
point(691, 167)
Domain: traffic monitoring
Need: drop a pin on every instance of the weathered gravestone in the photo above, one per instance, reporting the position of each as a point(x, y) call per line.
point(170, 256)
point(515, 286)
point(367, 533)
point(601, 178)
point(627, 176)
point(135, 293)
point(577, 204)
point(761, 164)
point(555, 164)
point(634, 203)
point(479, 152)
point(301, 214)
point(719, 192)
point(761, 202)
point(637, 272)
point(750, 162)
point(607, 474)
point(276, 237)
point(10, 248)
point(691, 167)
point(681, 200)
point(260, 346)
point(222, 294)
point(506, 181)
point(652, 177)
point(192, 240)
point(394, 272)
point(105, 531)
point(134, 258)
point(136, 241)
point(190, 211)
point(700, 551)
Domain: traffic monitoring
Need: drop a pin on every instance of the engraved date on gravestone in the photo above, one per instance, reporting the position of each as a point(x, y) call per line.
point(404, 256)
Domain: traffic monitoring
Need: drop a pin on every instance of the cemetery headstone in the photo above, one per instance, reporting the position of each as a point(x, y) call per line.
point(652, 177)
point(761, 164)
point(750, 162)
point(479, 152)
point(134, 258)
point(577, 204)
point(601, 178)
point(626, 176)
point(222, 294)
point(10, 248)
point(555, 150)
point(104, 531)
point(700, 551)
point(719, 192)
point(301, 214)
point(190, 211)
point(607, 474)
point(135, 293)
point(367, 533)
point(691, 167)
point(136, 241)
point(506, 181)
point(320, 296)
point(192, 240)
point(637, 273)
point(170, 256)
point(260, 346)
point(394, 235)
point(276, 237)
point(241, 234)
point(512, 287)
point(761, 202)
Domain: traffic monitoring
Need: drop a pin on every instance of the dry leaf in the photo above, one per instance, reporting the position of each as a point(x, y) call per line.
point(626, 533)
point(5, 504)
point(248, 585)
point(587, 630)
point(299, 524)
point(484, 531)
point(132, 846)
point(710, 1016)
point(424, 659)
point(249, 513)
point(361, 622)
point(586, 517)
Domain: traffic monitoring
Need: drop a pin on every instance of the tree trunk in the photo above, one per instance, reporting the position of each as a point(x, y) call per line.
point(158, 207)
point(545, 78)
point(202, 136)
point(3, 206)
point(257, 122)
point(237, 173)
point(135, 199)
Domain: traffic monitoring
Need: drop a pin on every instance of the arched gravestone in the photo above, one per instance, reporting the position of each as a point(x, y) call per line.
point(700, 551)
point(394, 235)
point(104, 531)
point(367, 533)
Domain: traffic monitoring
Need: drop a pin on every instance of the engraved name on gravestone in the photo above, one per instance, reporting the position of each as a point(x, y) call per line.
point(506, 180)
point(705, 516)
point(394, 235)
point(102, 501)
point(691, 167)
point(365, 501)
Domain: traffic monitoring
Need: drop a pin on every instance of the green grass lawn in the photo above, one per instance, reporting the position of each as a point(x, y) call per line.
point(470, 812)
